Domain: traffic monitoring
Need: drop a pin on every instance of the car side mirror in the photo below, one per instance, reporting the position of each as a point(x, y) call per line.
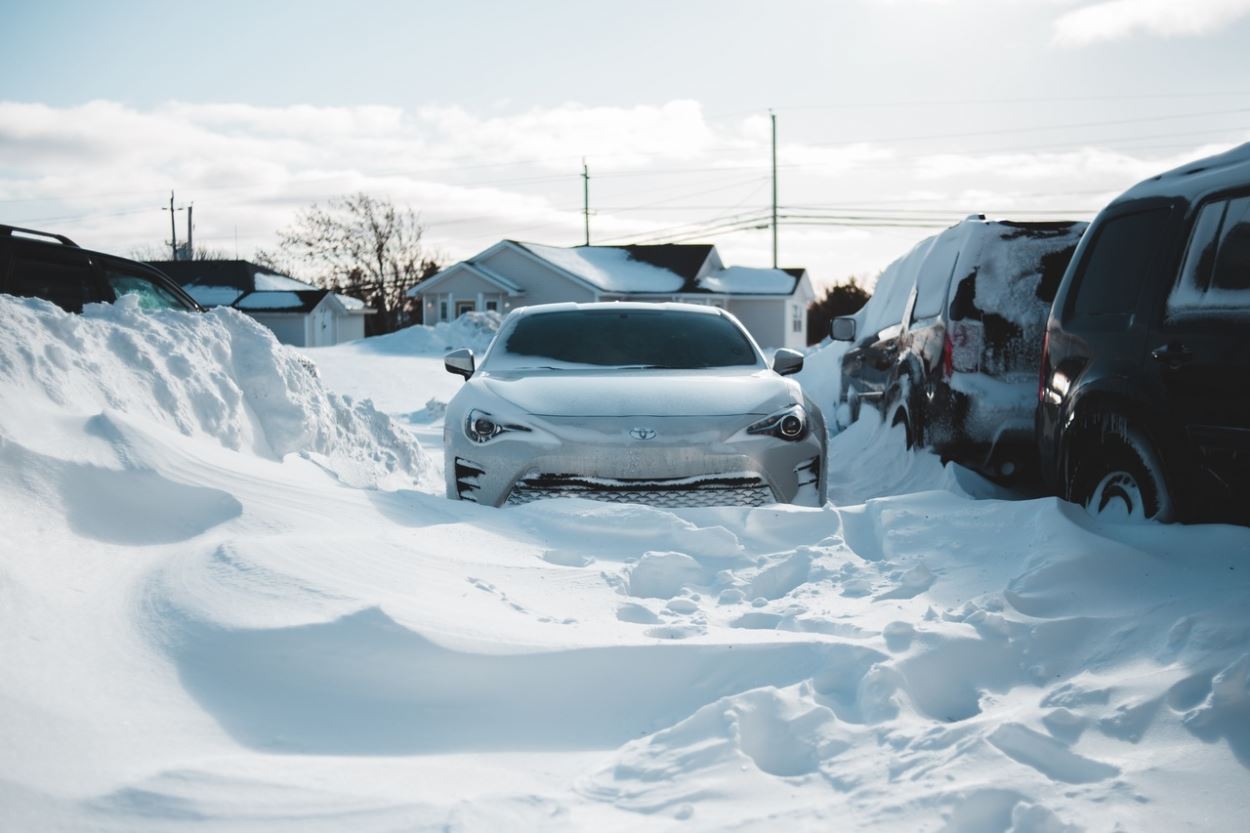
point(787, 362)
point(842, 329)
point(460, 362)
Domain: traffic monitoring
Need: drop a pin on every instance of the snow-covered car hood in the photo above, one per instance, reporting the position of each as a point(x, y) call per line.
point(615, 392)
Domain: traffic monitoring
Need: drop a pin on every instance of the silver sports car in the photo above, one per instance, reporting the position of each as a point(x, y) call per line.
point(664, 404)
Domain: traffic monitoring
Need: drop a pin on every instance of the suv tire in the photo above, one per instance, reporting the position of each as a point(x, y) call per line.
point(1117, 472)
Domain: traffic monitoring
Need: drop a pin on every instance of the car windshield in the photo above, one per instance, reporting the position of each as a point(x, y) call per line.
point(651, 339)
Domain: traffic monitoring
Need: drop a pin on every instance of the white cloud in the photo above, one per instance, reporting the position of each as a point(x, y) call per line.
point(101, 172)
point(1091, 167)
point(1115, 19)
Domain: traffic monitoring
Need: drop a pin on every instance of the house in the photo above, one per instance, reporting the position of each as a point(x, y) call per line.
point(771, 303)
point(299, 314)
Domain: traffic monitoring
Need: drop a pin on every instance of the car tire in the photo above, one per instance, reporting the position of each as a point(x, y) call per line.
point(900, 418)
point(1118, 475)
point(853, 406)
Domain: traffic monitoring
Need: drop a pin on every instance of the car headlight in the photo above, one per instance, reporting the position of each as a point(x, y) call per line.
point(481, 427)
point(788, 424)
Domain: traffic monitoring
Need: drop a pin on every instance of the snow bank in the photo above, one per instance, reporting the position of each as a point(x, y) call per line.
point(217, 375)
point(821, 376)
point(473, 330)
point(195, 638)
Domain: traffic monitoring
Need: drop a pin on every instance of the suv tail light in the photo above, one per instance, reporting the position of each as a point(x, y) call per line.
point(948, 357)
point(1044, 372)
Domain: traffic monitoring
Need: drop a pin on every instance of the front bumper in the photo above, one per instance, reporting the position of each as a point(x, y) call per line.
point(690, 461)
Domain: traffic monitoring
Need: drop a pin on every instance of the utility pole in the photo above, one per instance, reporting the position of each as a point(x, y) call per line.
point(586, 198)
point(173, 230)
point(190, 227)
point(773, 117)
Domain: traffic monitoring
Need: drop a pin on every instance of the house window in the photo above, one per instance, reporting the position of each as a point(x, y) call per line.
point(465, 306)
point(492, 306)
point(796, 318)
point(442, 310)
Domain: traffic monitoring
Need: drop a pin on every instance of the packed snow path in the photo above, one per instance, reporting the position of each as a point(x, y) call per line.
point(201, 632)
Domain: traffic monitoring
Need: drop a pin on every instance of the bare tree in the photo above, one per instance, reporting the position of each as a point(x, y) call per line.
point(149, 252)
point(840, 299)
point(365, 247)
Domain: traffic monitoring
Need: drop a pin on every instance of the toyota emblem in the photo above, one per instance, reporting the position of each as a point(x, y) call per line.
point(642, 433)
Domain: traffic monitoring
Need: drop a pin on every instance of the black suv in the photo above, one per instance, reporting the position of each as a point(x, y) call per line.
point(1144, 397)
point(964, 363)
point(37, 264)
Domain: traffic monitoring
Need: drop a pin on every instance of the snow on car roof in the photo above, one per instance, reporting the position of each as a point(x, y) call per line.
point(1197, 178)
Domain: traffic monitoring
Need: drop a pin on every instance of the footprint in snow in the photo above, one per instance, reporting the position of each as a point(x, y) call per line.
point(675, 631)
point(1048, 756)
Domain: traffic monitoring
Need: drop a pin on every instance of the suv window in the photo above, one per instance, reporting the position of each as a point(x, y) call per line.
point(1216, 272)
point(151, 294)
point(1118, 263)
point(63, 277)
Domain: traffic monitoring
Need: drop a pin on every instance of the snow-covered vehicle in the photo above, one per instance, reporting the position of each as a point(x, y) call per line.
point(1144, 402)
point(963, 362)
point(39, 264)
point(664, 404)
point(874, 332)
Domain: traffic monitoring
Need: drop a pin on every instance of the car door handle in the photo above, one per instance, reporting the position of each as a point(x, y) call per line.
point(1174, 355)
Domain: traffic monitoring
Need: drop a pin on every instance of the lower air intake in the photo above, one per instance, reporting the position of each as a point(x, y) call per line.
point(667, 494)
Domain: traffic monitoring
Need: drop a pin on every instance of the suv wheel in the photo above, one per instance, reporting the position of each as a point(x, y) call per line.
point(1118, 476)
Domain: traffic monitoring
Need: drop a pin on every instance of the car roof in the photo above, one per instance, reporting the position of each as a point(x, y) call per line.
point(57, 242)
point(1196, 180)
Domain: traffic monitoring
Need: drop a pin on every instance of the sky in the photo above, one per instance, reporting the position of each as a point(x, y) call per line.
point(894, 118)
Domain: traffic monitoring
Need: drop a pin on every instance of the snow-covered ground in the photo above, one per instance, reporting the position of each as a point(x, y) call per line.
point(231, 599)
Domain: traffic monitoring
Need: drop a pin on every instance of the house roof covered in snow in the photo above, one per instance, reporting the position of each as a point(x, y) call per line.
point(281, 300)
point(609, 268)
point(665, 270)
point(685, 259)
point(243, 284)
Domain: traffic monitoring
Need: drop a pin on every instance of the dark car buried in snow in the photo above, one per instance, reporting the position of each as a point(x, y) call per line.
point(1144, 394)
point(37, 264)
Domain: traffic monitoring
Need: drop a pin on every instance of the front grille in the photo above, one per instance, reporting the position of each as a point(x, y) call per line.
point(667, 494)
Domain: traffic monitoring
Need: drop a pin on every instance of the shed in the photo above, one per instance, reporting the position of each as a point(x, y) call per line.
point(299, 313)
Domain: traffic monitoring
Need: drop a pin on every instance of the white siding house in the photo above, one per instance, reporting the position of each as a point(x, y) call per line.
point(771, 303)
point(298, 313)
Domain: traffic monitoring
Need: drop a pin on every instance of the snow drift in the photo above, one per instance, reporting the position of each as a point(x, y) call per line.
point(218, 375)
point(473, 330)
point(202, 638)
